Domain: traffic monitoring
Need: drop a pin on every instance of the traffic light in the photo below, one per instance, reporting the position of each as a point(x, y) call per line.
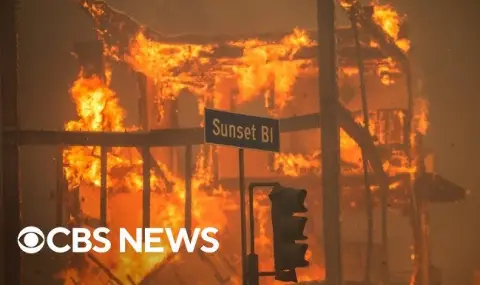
point(287, 229)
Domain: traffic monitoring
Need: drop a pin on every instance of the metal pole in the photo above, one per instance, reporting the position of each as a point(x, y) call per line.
point(11, 192)
point(146, 186)
point(330, 141)
point(366, 124)
point(252, 219)
point(188, 188)
point(243, 222)
point(252, 260)
point(103, 186)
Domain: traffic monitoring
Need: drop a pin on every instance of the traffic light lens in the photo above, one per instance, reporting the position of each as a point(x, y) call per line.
point(289, 228)
point(286, 276)
point(290, 256)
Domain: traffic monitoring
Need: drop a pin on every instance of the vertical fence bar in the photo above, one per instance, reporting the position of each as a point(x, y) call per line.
point(366, 124)
point(103, 186)
point(146, 186)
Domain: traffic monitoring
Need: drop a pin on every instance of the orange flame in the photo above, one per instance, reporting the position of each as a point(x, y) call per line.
point(264, 69)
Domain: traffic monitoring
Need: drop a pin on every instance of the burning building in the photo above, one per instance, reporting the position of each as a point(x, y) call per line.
point(273, 75)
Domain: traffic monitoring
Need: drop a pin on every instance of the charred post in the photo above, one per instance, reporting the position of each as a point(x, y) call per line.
point(10, 178)
point(188, 188)
point(103, 186)
point(92, 63)
point(76, 204)
point(366, 125)
point(330, 140)
point(146, 186)
point(60, 188)
point(144, 122)
point(142, 100)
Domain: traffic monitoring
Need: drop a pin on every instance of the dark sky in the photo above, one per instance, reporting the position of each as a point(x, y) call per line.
point(446, 45)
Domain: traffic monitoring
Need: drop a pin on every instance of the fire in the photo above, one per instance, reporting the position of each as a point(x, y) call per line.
point(99, 110)
point(390, 21)
point(163, 63)
point(264, 69)
point(265, 66)
point(262, 66)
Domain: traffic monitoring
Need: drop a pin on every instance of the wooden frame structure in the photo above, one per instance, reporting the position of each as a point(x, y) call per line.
point(13, 137)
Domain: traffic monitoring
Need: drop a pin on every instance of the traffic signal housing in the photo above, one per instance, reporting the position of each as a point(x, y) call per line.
point(287, 230)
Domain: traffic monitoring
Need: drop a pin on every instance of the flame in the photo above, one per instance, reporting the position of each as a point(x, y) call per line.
point(99, 110)
point(390, 21)
point(265, 66)
point(264, 69)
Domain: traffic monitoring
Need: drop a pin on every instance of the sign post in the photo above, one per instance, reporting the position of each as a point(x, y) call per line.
point(242, 131)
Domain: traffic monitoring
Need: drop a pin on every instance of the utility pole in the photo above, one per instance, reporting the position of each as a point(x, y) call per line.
point(330, 140)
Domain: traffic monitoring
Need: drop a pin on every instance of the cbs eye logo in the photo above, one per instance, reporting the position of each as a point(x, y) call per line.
point(31, 240)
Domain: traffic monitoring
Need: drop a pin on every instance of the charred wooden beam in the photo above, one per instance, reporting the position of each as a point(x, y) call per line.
point(146, 201)
point(386, 44)
point(103, 186)
point(105, 269)
point(191, 136)
point(143, 121)
point(188, 188)
point(216, 272)
point(150, 277)
point(130, 279)
point(167, 137)
point(164, 137)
